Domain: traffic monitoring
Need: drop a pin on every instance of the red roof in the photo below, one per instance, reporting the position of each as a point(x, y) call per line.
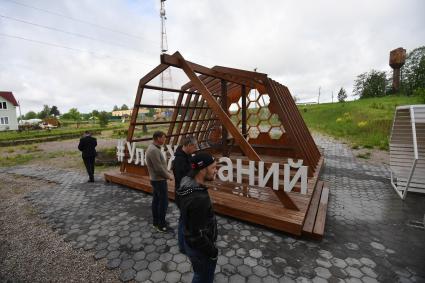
point(9, 97)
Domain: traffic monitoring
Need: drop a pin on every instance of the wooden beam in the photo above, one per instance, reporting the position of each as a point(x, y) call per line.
point(245, 146)
point(173, 60)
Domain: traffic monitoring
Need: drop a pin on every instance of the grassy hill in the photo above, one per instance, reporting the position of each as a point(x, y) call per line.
point(364, 122)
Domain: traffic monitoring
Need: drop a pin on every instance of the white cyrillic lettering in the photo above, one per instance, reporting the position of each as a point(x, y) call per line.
point(140, 156)
point(228, 167)
point(301, 173)
point(273, 170)
point(131, 147)
point(249, 171)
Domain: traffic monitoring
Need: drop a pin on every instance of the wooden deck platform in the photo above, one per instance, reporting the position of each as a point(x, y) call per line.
point(255, 204)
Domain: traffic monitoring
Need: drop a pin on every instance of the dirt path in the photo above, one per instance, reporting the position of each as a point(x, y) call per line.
point(30, 251)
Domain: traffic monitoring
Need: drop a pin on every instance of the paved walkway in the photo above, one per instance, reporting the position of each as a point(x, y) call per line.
point(368, 236)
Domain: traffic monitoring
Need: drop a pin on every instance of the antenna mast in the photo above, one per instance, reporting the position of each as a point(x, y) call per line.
point(165, 75)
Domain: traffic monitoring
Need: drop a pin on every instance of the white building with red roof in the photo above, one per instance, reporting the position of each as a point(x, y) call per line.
point(8, 105)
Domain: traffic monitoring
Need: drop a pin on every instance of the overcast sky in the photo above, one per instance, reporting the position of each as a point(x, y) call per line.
point(91, 54)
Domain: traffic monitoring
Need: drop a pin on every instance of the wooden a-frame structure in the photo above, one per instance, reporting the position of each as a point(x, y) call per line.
point(244, 115)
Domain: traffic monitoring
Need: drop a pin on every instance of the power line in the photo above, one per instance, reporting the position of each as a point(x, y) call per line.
point(66, 47)
point(75, 19)
point(66, 32)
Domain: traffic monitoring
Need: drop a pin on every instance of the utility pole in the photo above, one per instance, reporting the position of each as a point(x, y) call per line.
point(318, 98)
point(332, 96)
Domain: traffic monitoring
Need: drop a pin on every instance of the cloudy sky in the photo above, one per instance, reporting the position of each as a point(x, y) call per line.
point(91, 54)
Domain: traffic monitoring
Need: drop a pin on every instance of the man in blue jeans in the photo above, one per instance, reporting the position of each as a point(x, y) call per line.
point(158, 173)
point(200, 225)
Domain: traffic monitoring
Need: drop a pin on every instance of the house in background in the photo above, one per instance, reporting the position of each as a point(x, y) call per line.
point(8, 105)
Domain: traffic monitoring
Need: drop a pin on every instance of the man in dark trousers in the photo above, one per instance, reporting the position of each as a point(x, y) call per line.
point(200, 225)
point(181, 167)
point(87, 146)
point(158, 173)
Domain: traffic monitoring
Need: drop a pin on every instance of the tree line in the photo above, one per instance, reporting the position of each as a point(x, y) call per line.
point(377, 83)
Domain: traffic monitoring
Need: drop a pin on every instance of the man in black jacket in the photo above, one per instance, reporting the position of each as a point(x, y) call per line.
point(200, 225)
point(87, 147)
point(181, 167)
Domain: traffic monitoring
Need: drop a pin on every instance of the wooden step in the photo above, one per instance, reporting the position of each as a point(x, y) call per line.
point(314, 224)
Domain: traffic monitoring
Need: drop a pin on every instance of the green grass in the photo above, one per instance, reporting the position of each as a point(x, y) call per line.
point(31, 134)
point(23, 158)
point(364, 123)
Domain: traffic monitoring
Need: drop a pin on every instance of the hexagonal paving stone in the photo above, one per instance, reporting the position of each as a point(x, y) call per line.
point(377, 246)
point(235, 261)
point(290, 271)
point(183, 267)
point(140, 265)
point(250, 261)
point(158, 276)
point(113, 263)
point(353, 272)
point(178, 258)
point(139, 255)
point(319, 280)
point(165, 257)
point(152, 256)
point(127, 275)
point(353, 262)
point(270, 279)
point(236, 278)
point(368, 271)
point(366, 279)
point(244, 270)
point(173, 277)
point(228, 269)
point(368, 262)
point(325, 254)
point(155, 265)
point(337, 262)
point(126, 264)
point(143, 275)
point(100, 254)
point(323, 272)
point(255, 253)
point(324, 263)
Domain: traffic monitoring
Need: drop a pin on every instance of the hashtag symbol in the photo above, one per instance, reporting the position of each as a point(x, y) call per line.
point(120, 150)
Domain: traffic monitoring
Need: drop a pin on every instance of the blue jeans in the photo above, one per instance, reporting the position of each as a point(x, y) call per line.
point(159, 202)
point(180, 235)
point(203, 266)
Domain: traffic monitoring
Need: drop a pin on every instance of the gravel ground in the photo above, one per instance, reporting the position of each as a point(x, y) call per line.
point(30, 251)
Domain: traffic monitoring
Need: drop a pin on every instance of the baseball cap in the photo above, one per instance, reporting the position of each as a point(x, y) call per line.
point(201, 160)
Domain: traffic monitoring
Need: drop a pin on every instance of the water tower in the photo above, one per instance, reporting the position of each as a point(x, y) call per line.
point(397, 60)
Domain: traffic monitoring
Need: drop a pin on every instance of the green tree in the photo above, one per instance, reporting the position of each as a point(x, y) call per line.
point(116, 108)
point(342, 95)
point(30, 115)
point(44, 113)
point(103, 118)
point(54, 111)
point(372, 84)
point(124, 107)
point(95, 113)
point(413, 71)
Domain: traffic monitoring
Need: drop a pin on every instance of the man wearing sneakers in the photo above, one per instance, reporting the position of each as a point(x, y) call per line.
point(200, 225)
point(157, 168)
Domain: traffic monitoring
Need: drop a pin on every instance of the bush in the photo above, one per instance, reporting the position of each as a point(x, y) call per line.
point(103, 118)
point(420, 92)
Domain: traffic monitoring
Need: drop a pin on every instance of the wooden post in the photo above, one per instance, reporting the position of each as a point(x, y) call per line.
point(243, 106)
point(225, 109)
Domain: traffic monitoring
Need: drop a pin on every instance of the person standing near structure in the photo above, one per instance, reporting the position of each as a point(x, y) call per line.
point(200, 225)
point(87, 146)
point(157, 168)
point(181, 167)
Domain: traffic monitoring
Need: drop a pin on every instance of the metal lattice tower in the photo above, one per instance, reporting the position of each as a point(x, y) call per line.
point(166, 78)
